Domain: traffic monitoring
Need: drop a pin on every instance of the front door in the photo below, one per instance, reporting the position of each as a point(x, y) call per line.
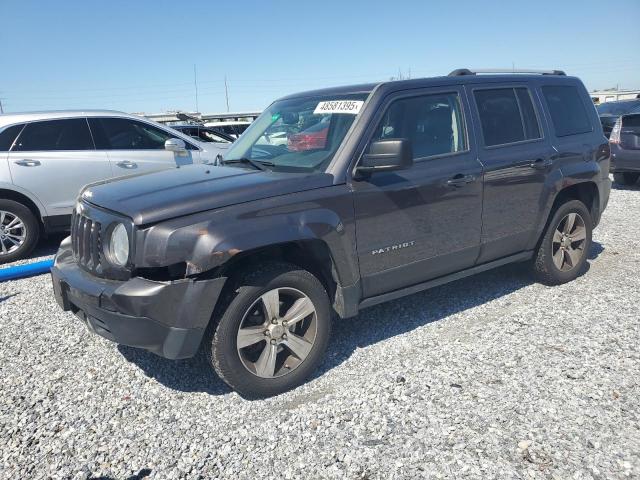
point(424, 222)
point(137, 147)
point(54, 159)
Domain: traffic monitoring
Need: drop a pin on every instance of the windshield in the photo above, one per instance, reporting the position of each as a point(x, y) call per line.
point(618, 108)
point(298, 135)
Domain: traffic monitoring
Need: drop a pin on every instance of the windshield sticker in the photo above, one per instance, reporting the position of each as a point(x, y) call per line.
point(339, 106)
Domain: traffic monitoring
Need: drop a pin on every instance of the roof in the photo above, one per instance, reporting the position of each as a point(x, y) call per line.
point(8, 118)
point(425, 82)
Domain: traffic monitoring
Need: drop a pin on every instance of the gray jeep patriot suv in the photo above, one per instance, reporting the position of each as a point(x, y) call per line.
point(378, 192)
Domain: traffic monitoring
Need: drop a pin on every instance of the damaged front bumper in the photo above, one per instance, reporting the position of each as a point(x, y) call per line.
point(166, 318)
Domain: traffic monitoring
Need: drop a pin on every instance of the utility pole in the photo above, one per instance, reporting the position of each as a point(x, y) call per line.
point(1, 109)
point(226, 92)
point(195, 84)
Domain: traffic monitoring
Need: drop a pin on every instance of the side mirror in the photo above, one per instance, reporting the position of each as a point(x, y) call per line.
point(386, 156)
point(175, 145)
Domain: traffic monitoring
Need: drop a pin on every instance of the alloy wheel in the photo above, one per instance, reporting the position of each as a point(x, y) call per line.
point(13, 232)
point(569, 240)
point(277, 332)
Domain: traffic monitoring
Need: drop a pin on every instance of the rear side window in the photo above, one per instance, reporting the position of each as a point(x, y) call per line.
point(52, 135)
point(507, 115)
point(631, 121)
point(433, 123)
point(8, 136)
point(126, 134)
point(567, 110)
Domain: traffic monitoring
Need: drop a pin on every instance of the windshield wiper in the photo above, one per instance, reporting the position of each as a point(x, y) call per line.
point(257, 164)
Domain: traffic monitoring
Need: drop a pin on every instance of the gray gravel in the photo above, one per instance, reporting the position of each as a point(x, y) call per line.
point(490, 377)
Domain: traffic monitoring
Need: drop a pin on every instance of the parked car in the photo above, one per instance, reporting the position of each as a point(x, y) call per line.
point(418, 183)
point(205, 134)
point(233, 129)
point(312, 138)
point(47, 157)
point(610, 112)
point(625, 149)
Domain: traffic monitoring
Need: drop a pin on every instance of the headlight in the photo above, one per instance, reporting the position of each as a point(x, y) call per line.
point(119, 246)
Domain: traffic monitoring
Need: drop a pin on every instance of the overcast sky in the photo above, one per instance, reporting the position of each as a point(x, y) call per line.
point(139, 56)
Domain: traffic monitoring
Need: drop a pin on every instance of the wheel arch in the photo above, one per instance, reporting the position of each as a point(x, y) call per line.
point(586, 191)
point(26, 200)
point(313, 255)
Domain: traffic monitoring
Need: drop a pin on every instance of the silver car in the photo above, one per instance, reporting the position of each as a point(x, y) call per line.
point(47, 157)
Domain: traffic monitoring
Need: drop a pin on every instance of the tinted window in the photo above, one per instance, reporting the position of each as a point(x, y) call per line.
point(631, 121)
point(567, 110)
point(433, 123)
point(71, 134)
point(126, 134)
point(529, 119)
point(7, 136)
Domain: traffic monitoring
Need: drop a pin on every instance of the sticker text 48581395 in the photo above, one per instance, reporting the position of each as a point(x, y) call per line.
point(338, 106)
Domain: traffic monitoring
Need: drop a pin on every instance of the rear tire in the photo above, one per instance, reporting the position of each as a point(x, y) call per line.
point(628, 178)
point(253, 309)
point(565, 244)
point(19, 231)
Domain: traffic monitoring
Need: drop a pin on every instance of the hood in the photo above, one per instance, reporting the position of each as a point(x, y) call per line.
point(195, 188)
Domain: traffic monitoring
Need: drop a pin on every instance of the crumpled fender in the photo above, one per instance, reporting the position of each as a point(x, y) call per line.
point(209, 239)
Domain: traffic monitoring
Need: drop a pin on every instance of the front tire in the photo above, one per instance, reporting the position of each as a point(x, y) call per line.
point(627, 178)
point(565, 244)
point(19, 231)
point(273, 332)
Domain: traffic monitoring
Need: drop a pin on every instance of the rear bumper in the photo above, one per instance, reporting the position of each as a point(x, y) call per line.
point(166, 318)
point(623, 160)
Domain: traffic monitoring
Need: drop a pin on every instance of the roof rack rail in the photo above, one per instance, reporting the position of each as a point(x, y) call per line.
point(465, 71)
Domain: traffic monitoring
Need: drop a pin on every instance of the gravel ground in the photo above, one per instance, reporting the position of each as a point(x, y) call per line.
point(489, 377)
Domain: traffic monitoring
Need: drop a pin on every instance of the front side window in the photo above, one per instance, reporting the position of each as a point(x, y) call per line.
point(567, 110)
point(506, 115)
point(52, 135)
point(8, 136)
point(433, 124)
point(299, 134)
point(127, 134)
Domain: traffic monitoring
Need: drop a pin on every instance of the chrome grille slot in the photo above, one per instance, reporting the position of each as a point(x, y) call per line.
point(86, 242)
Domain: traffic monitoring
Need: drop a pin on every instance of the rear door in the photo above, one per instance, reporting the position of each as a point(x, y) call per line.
point(54, 159)
point(424, 222)
point(518, 159)
point(137, 147)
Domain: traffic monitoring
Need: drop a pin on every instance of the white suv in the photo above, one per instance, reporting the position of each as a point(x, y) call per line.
point(47, 157)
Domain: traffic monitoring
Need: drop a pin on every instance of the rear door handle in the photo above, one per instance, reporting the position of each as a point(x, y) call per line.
point(127, 164)
point(541, 163)
point(460, 180)
point(28, 163)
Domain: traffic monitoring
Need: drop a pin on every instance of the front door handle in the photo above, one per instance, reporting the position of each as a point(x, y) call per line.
point(127, 164)
point(541, 163)
point(460, 180)
point(28, 163)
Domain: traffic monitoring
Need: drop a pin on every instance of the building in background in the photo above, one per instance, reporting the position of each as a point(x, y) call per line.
point(179, 117)
point(612, 95)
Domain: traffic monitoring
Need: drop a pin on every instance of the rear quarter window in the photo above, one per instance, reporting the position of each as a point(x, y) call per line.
point(567, 110)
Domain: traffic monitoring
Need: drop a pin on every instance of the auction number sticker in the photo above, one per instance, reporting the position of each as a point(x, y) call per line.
point(338, 106)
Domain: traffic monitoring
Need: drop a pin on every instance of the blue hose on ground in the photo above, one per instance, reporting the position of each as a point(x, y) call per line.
point(23, 271)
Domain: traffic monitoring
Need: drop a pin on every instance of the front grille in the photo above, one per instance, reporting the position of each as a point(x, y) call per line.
point(86, 242)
